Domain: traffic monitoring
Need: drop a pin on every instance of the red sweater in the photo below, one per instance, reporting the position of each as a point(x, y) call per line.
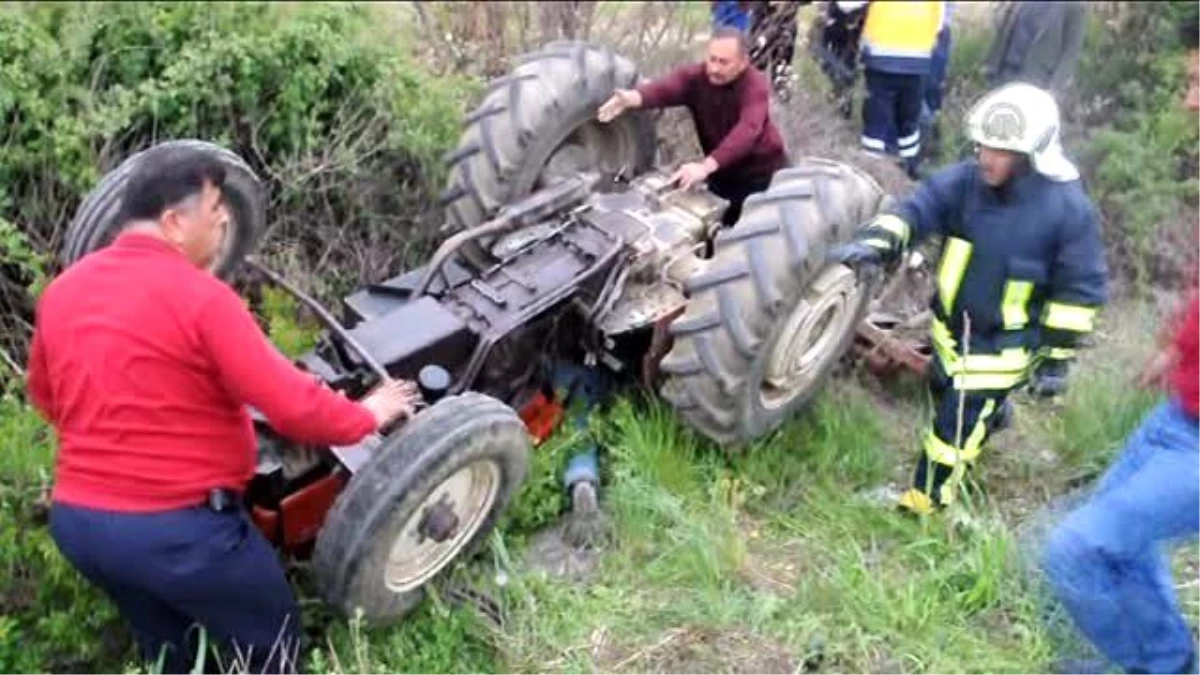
point(733, 121)
point(1184, 377)
point(144, 364)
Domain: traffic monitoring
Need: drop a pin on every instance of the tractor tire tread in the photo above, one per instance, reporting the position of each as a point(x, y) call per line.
point(352, 547)
point(738, 300)
point(523, 115)
point(95, 224)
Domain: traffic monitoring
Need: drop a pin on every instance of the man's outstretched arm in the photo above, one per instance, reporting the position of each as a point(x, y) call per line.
point(665, 92)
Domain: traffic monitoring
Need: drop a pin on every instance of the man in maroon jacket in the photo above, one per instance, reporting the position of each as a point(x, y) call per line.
point(730, 105)
point(144, 363)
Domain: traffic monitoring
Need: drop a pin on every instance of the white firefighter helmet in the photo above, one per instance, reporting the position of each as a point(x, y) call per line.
point(1022, 118)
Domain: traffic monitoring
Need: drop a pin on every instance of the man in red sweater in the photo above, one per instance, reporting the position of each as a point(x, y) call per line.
point(1106, 561)
point(144, 363)
point(730, 104)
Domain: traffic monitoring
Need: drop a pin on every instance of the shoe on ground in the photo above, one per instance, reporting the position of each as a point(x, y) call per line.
point(916, 502)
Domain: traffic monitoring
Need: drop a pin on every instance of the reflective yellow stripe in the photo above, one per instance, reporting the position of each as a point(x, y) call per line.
point(879, 244)
point(976, 372)
point(1059, 353)
point(1069, 317)
point(944, 453)
point(894, 224)
point(950, 273)
point(1016, 304)
point(989, 381)
point(942, 339)
point(1011, 360)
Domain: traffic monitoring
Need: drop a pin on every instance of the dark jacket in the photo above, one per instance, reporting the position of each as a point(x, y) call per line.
point(1038, 43)
point(1025, 263)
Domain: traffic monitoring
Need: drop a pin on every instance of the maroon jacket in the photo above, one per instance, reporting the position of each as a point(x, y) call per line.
point(733, 121)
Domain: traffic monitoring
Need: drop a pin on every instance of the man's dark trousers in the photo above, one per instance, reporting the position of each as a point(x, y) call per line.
point(169, 571)
point(735, 190)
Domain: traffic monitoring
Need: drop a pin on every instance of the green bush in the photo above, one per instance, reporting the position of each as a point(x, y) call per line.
point(45, 606)
point(1139, 153)
point(322, 100)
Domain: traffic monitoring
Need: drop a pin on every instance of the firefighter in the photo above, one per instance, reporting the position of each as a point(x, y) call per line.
point(1021, 277)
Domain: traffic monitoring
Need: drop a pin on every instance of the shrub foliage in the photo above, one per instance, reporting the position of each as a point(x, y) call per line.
point(323, 101)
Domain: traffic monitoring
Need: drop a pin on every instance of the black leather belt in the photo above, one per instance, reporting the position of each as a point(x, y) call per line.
point(222, 500)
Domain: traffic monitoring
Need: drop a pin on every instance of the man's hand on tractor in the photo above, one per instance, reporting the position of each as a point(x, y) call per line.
point(1049, 378)
point(392, 400)
point(619, 102)
point(693, 172)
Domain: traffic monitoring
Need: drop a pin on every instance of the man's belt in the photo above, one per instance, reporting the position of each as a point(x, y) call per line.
point(222, 500)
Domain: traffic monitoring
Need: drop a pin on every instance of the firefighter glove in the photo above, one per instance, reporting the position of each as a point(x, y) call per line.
point(856, 254)
point(1050, 378)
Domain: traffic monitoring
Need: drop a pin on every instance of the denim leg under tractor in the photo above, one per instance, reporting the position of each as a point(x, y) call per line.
point(1106, 561)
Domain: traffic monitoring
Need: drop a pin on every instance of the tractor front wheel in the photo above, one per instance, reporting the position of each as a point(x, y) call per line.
point(430, 495)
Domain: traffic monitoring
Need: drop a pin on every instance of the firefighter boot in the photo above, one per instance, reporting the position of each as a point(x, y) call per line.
point(1003, 418)
point(930, 479)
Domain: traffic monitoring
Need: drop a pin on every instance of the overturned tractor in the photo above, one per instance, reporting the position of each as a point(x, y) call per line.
point(567, 244)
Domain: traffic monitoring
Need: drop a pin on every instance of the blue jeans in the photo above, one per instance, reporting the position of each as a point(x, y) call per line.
point(171, 571)
point(1106, 562)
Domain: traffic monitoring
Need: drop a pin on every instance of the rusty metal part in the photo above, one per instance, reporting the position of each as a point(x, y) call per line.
point(323, 314)
point(660, 344)
point(639, 306)
point(884, 354)
point(894, 335)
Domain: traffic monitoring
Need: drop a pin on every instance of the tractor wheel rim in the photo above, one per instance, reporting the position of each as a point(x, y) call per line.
point(590, 146)
point(415, 558)
point(810, 336)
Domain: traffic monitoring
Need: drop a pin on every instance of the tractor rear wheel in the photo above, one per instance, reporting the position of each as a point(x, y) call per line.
point(537, 125)
point(429, 495)
point(767, 318)
point(97, 224)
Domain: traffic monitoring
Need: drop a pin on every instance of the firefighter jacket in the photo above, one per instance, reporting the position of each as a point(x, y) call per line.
point(1023, 263)
point(899, 37)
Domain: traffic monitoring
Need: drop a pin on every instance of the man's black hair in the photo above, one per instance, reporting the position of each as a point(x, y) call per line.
point(724, 32)
point(164, 177)
point(1189, 28)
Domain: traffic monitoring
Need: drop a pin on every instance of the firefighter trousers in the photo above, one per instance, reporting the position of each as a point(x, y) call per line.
point(960, 423)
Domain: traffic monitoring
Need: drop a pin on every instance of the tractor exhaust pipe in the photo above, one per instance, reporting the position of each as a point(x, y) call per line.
point(323, 314)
